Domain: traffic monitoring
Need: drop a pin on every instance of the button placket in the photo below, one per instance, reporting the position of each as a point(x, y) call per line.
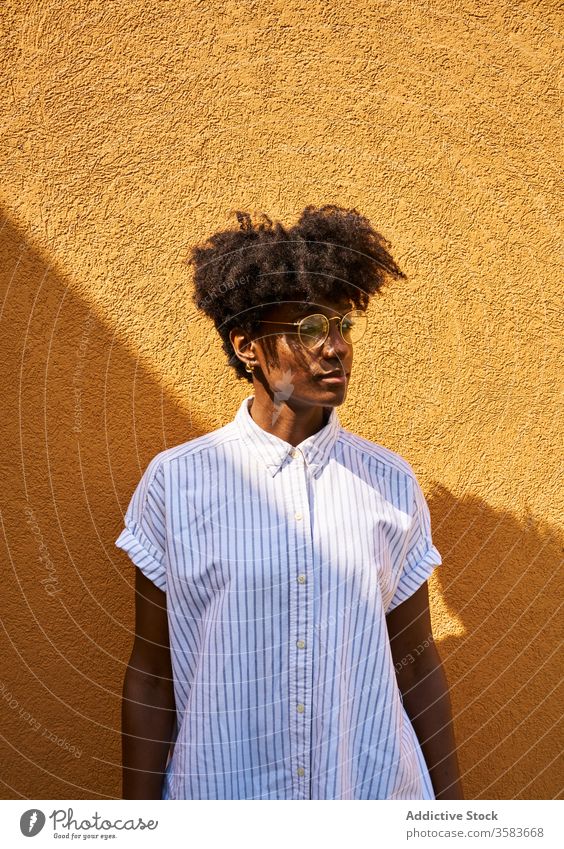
point(301, 629)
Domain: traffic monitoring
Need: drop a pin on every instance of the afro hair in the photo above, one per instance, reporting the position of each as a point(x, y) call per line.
point(331, 253)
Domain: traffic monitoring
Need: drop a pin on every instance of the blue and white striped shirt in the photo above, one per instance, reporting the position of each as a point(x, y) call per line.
point(279, 566)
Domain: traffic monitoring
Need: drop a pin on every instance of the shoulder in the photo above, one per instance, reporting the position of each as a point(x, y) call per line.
point(383, 459)
point(216, 439)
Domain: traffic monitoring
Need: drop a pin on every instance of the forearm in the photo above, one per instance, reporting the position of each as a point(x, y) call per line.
point(148, 712)
point(427, 703)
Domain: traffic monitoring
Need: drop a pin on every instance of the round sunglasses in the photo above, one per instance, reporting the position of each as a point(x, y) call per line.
point(313, 330)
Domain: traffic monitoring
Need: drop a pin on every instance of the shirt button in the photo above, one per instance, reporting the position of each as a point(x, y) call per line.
point(294, 452)
point(300, 770)
point(298, 517)
point(301, 579)
point(300, 708)
point(300, 644)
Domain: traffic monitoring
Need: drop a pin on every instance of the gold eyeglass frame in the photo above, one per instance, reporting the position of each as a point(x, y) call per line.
point(340, 319)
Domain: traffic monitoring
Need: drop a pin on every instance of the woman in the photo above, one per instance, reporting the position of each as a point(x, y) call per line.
point(283, 645)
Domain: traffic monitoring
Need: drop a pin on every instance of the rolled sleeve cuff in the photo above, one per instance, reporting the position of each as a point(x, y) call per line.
point(143, 554)
point(412, 580)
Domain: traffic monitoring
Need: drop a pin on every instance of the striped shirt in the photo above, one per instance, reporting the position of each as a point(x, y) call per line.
point(279, 565)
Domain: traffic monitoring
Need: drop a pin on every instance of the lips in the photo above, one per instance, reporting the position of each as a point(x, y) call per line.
point(334, 378)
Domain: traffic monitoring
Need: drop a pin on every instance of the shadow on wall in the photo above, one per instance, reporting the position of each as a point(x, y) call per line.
point(501, 579)
point(82, 420)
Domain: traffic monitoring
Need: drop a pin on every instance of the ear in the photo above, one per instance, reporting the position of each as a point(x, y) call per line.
point(240, 339)
point(242, 344)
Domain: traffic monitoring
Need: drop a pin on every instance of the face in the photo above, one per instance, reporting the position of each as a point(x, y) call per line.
point(308, 376)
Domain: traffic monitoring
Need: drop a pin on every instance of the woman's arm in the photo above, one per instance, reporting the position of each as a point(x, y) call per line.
point(148, 708)
point(424, 689)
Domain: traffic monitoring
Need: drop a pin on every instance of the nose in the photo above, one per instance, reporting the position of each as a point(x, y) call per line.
point(335, 345)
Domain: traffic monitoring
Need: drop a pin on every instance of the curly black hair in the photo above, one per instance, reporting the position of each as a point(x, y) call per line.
point(331, 253)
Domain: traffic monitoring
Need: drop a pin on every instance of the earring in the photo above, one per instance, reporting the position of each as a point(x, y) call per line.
point(249, 367)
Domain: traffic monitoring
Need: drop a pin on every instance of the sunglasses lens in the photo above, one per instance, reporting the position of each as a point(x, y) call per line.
point(313, 329)
point(353, 326)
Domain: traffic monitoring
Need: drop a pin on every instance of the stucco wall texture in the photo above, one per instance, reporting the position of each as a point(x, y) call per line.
point(129, 132)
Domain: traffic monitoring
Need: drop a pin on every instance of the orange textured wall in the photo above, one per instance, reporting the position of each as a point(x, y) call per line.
point(129, 132)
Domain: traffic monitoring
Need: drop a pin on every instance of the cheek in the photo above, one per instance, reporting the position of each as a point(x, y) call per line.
point(293, 357)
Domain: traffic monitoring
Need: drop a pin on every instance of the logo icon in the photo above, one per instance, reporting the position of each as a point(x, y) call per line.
point(32, 822)
point(284, 389)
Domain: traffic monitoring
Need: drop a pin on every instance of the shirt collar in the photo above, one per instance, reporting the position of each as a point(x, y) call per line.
point(274, 452)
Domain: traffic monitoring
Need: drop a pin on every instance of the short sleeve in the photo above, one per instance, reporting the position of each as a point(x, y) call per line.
point(421, 556)
point(144, 535)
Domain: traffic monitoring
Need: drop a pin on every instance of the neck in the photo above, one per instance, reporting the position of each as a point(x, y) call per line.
point(285, 419)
